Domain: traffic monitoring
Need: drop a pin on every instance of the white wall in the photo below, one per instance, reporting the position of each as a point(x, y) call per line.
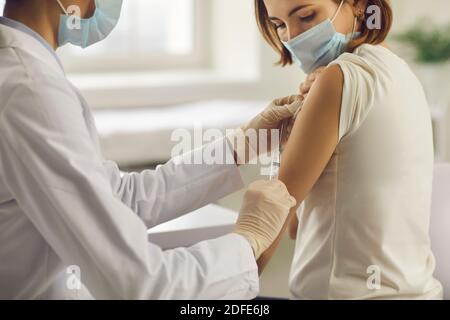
point(239, 49)
point(411, 12)
point(407, 12)
point(241, 68)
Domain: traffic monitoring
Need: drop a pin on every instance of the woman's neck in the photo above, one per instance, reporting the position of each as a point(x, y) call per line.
point(40, 16)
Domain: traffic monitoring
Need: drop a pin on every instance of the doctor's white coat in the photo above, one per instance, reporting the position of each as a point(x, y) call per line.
point(62, 204)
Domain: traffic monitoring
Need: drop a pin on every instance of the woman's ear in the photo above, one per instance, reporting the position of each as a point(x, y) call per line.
point(359, 9)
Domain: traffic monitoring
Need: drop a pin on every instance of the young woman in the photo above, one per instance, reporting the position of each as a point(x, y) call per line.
point(63, 207)
point(360, 156)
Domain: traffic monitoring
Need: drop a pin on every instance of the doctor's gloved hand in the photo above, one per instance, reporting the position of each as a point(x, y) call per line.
point(275, 113)
point(263, 213)
point(278, 112)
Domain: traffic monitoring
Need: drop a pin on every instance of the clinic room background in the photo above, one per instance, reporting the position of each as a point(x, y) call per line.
point(191, 57)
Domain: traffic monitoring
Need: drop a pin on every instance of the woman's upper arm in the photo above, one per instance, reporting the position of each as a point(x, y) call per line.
point(312, 142)
point(315, 134)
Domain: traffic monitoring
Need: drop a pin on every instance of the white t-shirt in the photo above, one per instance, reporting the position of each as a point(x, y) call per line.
point(366, 220)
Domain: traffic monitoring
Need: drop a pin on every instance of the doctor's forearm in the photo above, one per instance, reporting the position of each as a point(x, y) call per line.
point(157, 196)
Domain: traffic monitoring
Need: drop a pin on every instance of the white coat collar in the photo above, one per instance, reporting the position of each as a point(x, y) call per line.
point(19, 35)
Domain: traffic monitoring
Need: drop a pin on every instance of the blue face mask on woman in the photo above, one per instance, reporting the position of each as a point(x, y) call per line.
point(320, 45)
point(85, 32)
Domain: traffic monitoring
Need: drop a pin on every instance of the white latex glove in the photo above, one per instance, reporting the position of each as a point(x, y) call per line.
point(263, 213)
point(278, 112)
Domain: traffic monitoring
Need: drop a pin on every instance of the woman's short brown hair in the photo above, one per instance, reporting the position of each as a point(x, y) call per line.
point(368, 35)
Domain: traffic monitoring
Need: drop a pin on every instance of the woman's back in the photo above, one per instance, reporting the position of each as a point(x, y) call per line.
point(366, 219)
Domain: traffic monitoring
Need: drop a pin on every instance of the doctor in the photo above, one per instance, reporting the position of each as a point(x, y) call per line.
point(64, 209)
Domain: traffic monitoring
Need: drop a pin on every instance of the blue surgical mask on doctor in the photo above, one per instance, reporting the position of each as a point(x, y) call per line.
point(86, 32)
point(320, 45)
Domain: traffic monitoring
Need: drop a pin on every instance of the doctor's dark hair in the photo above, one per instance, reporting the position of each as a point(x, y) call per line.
point(370, 36)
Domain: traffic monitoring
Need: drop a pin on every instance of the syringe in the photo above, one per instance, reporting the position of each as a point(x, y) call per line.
point(276, 158)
